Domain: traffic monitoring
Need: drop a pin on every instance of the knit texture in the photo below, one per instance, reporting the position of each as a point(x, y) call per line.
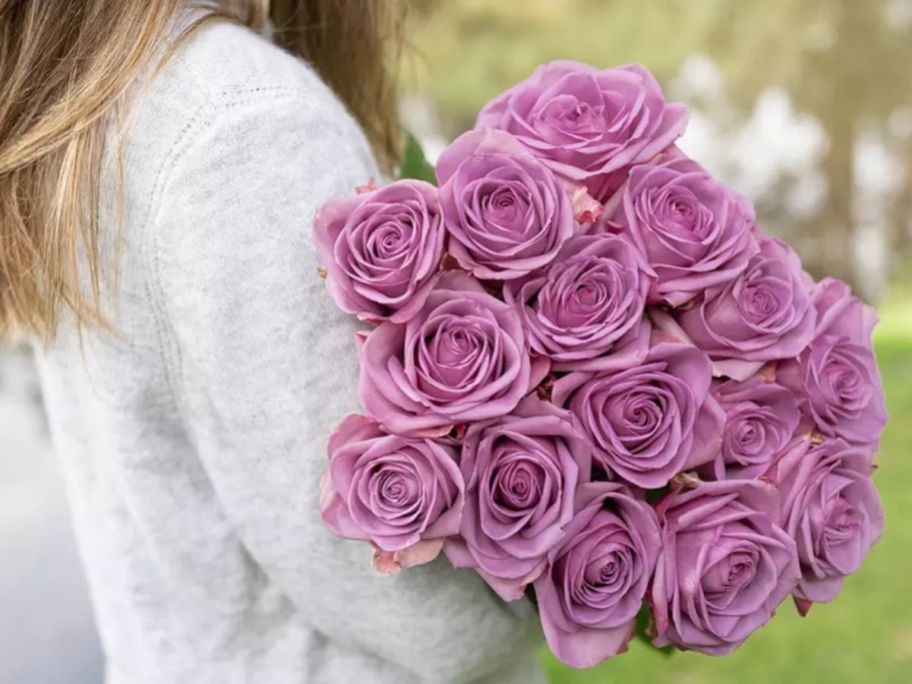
point(193, 438)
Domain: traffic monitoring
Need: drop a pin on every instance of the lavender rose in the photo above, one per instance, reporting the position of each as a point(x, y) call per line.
point(521, 472)
point(760, 421)
point(649, 422)
point(381, 249)
point(586, 311)
point(404, 495)
point(695, 232)
point(589, 597)
point(588, 125)
point(505, 212)
point(831, 510)
point(462, 358)
point(764, 314)
point(836, 377)
point(724, 566)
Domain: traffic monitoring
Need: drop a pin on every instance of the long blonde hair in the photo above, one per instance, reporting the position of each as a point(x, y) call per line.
point(66, 69)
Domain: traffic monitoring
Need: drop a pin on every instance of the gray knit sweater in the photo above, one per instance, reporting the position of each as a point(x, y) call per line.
point(193, 438)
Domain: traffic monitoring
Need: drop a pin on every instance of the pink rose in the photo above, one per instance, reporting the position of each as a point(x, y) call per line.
point(649, 422)
point(462, 358)
point(585, 312)
point(597, 577)
point(588, 125)
point(505, 212)
point(760, 422)
point(835, 377)
point(724, 566)
point(832, 511)
point(764, 314)
point(381, 249)
point(694, 231)
point(404, 495)
point(521, 473)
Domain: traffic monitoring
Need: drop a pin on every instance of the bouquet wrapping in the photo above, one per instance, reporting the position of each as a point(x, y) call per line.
point(589, 375)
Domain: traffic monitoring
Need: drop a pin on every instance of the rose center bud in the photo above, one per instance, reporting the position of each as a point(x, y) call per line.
point(761, 301)
point(842, 521)
point(390, 238)
point(588, 295)
point(517, 483)
point(394, 491)
point(749, 439)
point(568, 114)
point(604, 570)
point(583, 293)
point(503, 208)
point(638, 415)
point(730, 573)
point(681, 215)
point(847, 383)
point(457, 350)
point(606, 573)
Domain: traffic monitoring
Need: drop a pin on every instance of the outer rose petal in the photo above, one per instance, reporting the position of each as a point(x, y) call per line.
point(587, 647)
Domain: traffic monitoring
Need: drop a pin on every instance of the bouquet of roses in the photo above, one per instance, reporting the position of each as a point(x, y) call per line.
point(591, 377)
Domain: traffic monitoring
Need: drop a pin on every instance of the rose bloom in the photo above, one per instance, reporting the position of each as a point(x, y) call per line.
point(760, 422)
point(588, 125)
point(462, 358)
point(764, 314)
point(836, 376)
point(724, 566)
point(695, 232)
point(404, 495)
point(585, 312)
point(505, 212)
point(521, 472)
point(649, 422)
point(832, 511)
point(381, 249)
point(589, 596)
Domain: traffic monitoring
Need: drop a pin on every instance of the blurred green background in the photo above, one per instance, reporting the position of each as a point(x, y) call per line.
point(805, 106)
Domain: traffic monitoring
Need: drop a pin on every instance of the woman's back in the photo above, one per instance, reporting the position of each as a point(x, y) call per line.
point(193, 436)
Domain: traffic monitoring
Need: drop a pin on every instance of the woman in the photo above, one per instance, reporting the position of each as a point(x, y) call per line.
point(159, 167)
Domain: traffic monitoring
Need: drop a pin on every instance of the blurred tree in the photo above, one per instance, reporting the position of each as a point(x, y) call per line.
point(846, 63)
point(843, 62)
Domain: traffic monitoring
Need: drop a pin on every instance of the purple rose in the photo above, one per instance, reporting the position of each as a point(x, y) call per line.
point(521, 472)
point(462, 358)
point(505, 212)
point(760, 421)
point(589, 596)
point(588, 125)
point(404, 495)
point(695, 232)
point(381, 249)
point(649, 422)
point(831, 510)
point(724, 566)
point(764, 314)
point(836, 377)
point(585, 312)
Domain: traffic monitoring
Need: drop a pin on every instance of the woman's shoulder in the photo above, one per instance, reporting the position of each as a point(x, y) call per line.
point(228, 94)
point(224, 72)
point(222, 60)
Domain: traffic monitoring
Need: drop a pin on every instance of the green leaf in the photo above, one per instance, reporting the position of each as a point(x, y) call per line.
point(644, 619)
point(414, 163)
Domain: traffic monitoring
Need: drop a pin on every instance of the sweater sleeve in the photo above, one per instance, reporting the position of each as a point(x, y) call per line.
point(264, 366)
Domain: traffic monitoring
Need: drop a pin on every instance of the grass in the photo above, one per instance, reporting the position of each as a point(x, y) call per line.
point(866, 634)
